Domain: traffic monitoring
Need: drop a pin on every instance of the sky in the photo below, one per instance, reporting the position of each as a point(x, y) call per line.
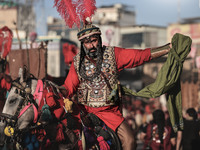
point(151, 12)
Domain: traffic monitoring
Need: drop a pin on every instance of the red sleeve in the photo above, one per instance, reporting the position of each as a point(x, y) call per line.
point(130, 58)
point(72, 81)
point(5, 85)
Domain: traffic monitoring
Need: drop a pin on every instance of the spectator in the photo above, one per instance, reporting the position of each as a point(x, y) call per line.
point(190, 134)
point(138, 117)
point(158, 134)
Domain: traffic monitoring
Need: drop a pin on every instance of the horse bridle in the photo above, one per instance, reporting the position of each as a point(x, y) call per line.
point(25, 92)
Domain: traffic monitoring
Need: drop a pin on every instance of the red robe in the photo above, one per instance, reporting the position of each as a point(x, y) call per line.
point(125, 58)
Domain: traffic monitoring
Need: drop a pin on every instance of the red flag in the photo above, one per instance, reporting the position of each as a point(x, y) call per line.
point(6, 36)
point(69, 51)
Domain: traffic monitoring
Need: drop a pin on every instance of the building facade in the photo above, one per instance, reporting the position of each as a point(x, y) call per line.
point(118, 14)
point(20, 16)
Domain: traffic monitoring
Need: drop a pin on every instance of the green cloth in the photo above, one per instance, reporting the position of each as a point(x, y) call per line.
point(168, 80)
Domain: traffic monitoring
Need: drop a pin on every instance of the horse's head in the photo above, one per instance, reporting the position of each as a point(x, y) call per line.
point(16, 101)
point(15, 112)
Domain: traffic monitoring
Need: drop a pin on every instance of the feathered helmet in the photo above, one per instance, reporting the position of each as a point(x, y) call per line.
point(76, 11)
point(87, 31)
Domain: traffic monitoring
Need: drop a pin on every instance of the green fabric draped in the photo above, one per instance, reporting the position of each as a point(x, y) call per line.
point(168, 80)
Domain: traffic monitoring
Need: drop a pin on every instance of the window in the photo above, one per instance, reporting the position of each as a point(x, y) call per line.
point(129, 40)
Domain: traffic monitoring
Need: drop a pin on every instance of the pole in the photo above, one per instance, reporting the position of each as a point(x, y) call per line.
point(179, 10)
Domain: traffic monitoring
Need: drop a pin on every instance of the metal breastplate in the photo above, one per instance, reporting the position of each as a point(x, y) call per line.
point(95, 93)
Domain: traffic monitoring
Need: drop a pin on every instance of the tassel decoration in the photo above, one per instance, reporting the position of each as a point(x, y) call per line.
point(30, 142)
point(89, 135)
point(68, 105)
point(80, 146)
point(9, 131)
point(102, 143)
point(67, 10)
point(50, 100)
point(60, 136)
point(86, 8)
point(48, 143)
point(46, 113)
point(30, 146)
point(59, 110)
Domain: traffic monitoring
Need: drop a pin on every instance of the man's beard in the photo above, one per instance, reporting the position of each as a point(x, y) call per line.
point(93, 52)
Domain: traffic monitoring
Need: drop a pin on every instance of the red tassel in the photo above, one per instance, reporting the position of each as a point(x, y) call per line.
point(50, 99)
point(60, 136)
point(48, 143)
point(40, 133)
point(67, 10)
point(86, 8)
point(6, 36)
point(102, 143)
point(58, 111)
point(80, 145)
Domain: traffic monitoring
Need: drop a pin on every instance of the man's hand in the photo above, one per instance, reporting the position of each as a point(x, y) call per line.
point(160, 51)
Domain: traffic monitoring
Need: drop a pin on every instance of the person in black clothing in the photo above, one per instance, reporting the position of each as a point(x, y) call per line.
point(190, 134)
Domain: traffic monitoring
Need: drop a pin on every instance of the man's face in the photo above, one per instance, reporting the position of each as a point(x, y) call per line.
point(91, 45)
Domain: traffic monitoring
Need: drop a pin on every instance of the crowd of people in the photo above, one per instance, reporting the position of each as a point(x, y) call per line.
point(151, 126)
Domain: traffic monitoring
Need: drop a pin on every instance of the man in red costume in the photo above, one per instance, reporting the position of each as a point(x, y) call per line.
point(94, 74)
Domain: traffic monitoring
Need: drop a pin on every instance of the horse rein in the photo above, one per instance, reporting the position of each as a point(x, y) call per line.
point(25, 92)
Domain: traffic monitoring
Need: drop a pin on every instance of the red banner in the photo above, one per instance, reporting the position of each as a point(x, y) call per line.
point(69, 51)
point(6, 36)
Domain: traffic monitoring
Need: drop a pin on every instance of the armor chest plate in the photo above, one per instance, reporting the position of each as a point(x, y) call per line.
point(95, 93)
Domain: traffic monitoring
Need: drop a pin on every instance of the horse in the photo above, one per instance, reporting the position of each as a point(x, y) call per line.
point(34, 117)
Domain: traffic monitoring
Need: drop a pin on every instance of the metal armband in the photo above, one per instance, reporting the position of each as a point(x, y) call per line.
point(160, 51)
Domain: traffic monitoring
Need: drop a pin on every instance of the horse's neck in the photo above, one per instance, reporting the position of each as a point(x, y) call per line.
point(37, 90)
point(33, 86)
